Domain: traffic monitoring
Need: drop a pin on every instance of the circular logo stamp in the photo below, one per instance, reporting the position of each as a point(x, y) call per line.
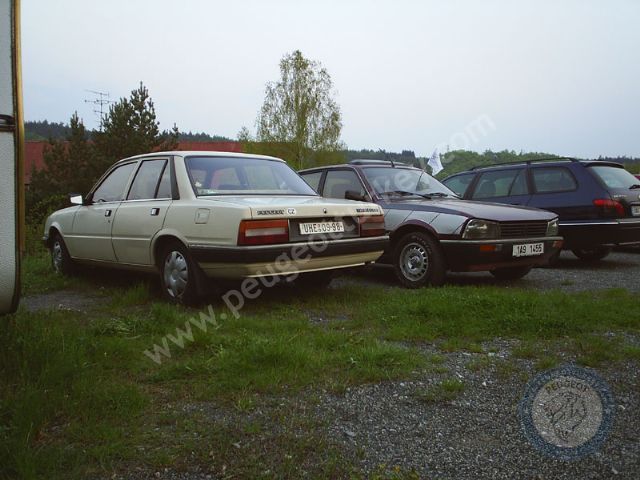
point(567, 412)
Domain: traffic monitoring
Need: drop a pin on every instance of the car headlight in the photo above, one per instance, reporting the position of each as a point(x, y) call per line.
point(481, 229)
point(553, 228)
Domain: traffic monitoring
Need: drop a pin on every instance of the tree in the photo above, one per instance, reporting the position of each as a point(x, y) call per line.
point(65, 166)
point(299, 110)
point(130, 128)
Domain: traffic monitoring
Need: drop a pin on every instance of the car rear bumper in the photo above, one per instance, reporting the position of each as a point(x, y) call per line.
point(268, 260)
point(483, 255)
point(590, 233)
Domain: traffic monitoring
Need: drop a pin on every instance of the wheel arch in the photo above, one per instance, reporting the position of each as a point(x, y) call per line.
point(162, 239)
point(411, 227)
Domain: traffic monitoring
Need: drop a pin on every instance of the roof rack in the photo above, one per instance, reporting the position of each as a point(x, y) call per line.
point(365, 161)
point(526, 162)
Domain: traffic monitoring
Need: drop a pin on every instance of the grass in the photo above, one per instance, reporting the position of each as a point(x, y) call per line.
point(444, 391)
point(78, 397)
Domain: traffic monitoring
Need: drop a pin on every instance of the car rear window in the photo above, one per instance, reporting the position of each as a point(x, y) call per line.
point(553, 180)
point(244, 175)
point(614, 177)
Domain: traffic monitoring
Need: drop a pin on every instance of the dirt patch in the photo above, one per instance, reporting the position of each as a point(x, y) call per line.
point(62, 300)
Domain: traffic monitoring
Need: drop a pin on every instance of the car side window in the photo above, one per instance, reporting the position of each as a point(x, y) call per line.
point(112, 188)
point(495, 184)
point(338, 182)
point(519, 185)
point(164, 189)
point(460, 183)
point(553, 179)
point(146, 182)
point(313, 179)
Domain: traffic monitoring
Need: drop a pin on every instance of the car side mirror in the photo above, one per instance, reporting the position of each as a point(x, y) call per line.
point(353, 195)
point(76, 199)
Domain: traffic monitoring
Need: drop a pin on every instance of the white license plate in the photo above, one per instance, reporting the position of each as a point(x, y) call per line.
point(635, 210)
point(528, 249)
point(321, 227)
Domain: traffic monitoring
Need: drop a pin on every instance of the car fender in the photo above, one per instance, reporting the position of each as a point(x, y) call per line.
point(164, 233)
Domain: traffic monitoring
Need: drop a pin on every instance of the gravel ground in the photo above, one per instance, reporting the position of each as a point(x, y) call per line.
point(476, 435)
point(621, 269)
point(62, 300)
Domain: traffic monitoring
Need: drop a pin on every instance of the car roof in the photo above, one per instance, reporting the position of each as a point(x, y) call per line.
point(545, 161)
point(200, 153)
point(353, 164)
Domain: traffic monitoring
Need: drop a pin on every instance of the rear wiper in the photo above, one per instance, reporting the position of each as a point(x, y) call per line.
point(633, 187)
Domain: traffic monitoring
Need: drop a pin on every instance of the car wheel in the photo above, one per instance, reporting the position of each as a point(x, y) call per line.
point(178, 275)
point(60, 258)
point(510, 273)
point(592, 254)
point(419, 261)
point(320, 279)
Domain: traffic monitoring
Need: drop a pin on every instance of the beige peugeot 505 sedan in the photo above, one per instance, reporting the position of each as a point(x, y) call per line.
point(190, 216)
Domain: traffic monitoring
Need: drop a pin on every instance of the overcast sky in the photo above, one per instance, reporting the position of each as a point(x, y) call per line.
point(546, 75)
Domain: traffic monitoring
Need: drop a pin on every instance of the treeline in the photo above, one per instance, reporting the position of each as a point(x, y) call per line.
point(460, 160)
point(43, 130)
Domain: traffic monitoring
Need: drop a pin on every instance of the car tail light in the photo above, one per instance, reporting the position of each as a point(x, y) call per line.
point(263, 232)
point(608, 208)
point(372, 226)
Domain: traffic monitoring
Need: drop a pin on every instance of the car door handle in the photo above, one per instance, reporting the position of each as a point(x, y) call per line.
point(107, 213)
point(154, 212)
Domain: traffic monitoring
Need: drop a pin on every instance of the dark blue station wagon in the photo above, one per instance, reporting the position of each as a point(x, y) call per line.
point(598, 203)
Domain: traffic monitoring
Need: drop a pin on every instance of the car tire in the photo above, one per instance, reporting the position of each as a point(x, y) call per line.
point(511, 273)
point(591, 254)
point(178, 275)
point(61, 261)
point(418, 261)
point(320, 279)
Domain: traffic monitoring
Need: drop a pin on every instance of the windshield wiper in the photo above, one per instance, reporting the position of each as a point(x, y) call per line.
point(435, 194)
point(400, 192)
point(634, 186)
point(423, 195)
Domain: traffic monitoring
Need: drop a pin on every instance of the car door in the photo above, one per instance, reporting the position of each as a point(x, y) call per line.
point(555, 188)
point(141, 215)
point(502, 186)
point(91, 232)
point(340, 181)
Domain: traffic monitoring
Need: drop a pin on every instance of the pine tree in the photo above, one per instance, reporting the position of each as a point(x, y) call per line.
point(131, 128)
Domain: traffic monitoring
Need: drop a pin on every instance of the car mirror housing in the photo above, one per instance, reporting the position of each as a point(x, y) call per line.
point(353, 195)
point(76, 199)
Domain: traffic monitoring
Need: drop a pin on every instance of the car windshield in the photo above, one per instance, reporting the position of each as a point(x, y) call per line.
point(615, 177)
point(244, 176)
point(404, 181)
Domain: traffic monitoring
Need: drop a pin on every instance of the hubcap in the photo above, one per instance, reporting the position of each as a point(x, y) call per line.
point(414, 261)
point(56, 256)
point(175, 274)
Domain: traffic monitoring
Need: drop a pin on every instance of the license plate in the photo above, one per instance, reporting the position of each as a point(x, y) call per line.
point(635, 210)
point(321, 227)
point(528, 249)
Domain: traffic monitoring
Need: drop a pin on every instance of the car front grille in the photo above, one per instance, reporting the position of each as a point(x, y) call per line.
point(523, 229)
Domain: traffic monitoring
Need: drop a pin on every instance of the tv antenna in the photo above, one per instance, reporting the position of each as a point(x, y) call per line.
point(100, 101)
